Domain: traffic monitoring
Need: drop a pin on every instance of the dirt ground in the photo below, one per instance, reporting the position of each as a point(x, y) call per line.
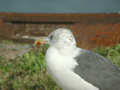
point(11, 50)
point(22, 37)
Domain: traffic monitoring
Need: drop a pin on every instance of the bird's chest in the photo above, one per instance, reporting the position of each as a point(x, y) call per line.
point(57, 61)
point(61, 68)
point(61, 74)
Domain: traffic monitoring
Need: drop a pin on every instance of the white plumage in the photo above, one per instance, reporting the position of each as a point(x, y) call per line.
point(61, 63)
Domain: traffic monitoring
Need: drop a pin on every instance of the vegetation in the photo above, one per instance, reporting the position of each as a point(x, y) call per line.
point(29, 72)
point(112, 53)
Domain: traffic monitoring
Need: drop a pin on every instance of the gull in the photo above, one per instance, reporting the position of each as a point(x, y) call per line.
point(74, 68)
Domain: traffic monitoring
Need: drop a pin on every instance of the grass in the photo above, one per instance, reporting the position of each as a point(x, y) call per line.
point(26, 73)
point(111, 53)
point(29, 72)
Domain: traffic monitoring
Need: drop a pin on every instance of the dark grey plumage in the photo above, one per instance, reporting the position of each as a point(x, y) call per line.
point(98, 71)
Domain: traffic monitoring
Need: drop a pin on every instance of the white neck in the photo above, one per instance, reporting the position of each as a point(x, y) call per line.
point(65, 50)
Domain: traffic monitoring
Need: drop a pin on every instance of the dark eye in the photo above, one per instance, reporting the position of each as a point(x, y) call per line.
point(51, 37)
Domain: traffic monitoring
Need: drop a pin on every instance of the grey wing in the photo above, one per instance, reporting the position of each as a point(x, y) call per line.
point(98, 71)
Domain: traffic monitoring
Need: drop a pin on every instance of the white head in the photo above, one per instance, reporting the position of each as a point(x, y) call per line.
point(61, 38)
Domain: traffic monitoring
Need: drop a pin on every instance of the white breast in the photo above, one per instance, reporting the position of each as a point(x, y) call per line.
point(60, 68)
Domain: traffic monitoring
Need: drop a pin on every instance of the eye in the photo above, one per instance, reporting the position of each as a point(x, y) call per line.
point(51, 37)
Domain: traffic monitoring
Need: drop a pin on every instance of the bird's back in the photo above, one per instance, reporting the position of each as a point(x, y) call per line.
point(98, 71)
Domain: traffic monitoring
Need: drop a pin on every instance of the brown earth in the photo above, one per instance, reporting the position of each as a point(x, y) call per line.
point(90, 30)
point(12, 50)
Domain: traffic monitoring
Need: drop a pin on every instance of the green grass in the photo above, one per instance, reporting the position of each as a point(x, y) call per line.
point(29, 72)
point(111, 53)
point(26, 73)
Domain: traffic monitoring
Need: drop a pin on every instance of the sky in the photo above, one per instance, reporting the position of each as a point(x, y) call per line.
point(60, 6)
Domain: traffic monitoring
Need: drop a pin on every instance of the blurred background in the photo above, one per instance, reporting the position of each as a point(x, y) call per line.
point(94, 23)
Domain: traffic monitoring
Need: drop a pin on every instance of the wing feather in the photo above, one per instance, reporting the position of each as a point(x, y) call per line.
point(97, 70)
